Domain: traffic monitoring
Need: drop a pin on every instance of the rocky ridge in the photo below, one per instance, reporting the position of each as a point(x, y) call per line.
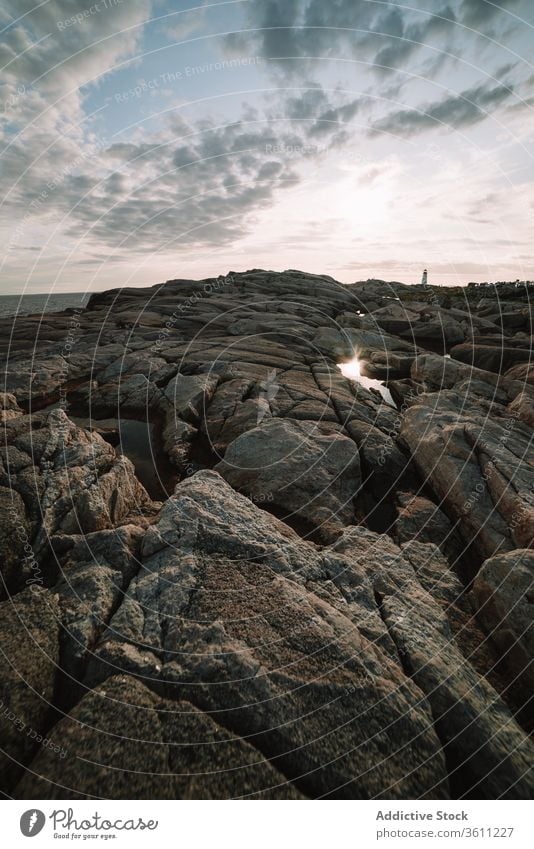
point(231, 572)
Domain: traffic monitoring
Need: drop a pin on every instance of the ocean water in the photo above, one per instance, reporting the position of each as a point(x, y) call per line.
point(31, 304)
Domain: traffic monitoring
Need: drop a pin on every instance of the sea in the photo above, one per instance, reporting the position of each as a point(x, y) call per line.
point(39, 304)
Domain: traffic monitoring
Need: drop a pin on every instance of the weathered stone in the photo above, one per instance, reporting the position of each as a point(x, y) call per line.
point(495, 358)
point(283, 666)
point(310, 474)
point(29, 656)
point(225, 600)
point(190, 395)
point(15, 536)
point(123, 742)
point(474, 724)
point(421, 520)
point(432, 372)
point(470, 461)
point(504, 598)
point(95, 573)
point(523, 372)
point(9, 409)
point(523, 407)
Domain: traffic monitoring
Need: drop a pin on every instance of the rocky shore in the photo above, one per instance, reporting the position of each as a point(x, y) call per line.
point(231, 572)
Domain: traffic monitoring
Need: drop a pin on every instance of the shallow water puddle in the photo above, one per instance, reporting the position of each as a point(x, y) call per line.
point(352, 371)
point(138, 441)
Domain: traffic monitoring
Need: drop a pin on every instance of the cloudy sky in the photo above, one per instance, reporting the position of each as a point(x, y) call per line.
point(143, 141)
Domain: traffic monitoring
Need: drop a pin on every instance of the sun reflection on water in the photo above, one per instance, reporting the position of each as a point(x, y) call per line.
point(352, 370)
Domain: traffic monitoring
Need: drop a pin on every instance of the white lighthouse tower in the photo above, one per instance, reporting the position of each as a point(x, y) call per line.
point(424, 278)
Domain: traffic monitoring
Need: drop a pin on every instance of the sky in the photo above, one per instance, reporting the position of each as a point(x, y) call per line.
point(146, 141)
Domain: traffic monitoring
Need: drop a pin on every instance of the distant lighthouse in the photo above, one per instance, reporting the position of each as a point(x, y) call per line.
point(424, 278)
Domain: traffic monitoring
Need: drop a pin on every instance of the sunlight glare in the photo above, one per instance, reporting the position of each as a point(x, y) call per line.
point(351, 369)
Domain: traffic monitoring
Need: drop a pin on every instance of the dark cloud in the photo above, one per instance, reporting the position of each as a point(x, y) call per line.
point(289, 30)
point(203, 186)
point(59, 44)
point(320, 112)
point(477, 13)
point(199, 184)
point(408, 35)
point(50, 51)
point(335, 115)
point(195, 191)
point(307, 104)
point(456, 111)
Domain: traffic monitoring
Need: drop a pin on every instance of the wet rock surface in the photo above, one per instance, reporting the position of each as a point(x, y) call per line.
point(290, 588)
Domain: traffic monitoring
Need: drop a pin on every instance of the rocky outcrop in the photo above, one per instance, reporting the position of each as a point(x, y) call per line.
point(420, 520)
point(15, 533)
point(30, 626)
point(475, 726)
point(316, 591)
point(184, 753)
point(96, 570)
point(504, 598)
point(470, 453)
point(305, 470)
point(418, 323)
point(232, 611)
point(498, 357)
point(9, 409)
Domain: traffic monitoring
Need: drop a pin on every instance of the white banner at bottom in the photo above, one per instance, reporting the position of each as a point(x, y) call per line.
point(263, 824)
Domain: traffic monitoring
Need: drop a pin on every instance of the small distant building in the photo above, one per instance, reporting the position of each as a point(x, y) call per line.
point(424, 278)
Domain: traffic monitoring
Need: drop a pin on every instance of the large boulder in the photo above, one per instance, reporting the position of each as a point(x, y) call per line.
point(496, 358)
point(37, 378)
point(387, 365)
point(488, 752)
point(189, 395)
point(421, 520)
point(124, 742)
point(96, 569)
point(443, 329)
point(58, 478)
point(523, 407)
point(305, 472)
point(523, 372)
point(503, 596)
point(424, 323)
point(469, 458)
point(234, 613)
point(433, 372)
point(81, 483)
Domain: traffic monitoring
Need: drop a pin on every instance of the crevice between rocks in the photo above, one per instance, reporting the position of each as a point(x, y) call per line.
point(69, 686)
point(461, 778)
